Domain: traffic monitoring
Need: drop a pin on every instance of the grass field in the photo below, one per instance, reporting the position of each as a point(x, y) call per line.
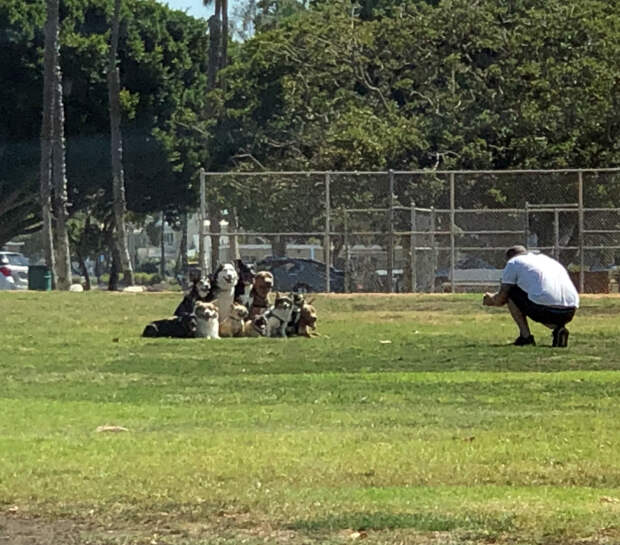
point(410, 420)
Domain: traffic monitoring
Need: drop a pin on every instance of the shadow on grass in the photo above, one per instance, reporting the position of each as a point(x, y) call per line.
point(421, 521)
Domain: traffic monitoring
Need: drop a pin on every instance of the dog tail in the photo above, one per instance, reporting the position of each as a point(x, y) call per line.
point(150, 331)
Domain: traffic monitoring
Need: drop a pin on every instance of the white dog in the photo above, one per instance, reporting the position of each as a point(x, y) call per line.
point(208, 325)
point(223, 288)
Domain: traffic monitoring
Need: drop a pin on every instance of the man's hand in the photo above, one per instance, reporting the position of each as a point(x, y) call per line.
point(488, 299)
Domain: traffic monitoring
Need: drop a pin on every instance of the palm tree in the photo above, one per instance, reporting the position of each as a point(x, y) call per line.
point(47, 128)
point(116, 149)
point(59, 175)
point(218, 59)
point(218, 39)
point(52, 174)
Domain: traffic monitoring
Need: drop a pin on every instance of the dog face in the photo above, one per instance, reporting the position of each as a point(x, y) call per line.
point(198, 288)
point(206, 311)
point(226, 276)
point(263, 283)
point(298, 299)
point(203, 286)
point(283, 302)
point(260, 325)
point(238, 311)
point(308, 315)
point(246, 272)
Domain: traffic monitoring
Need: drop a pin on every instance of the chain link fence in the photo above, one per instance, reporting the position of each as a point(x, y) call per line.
point(398, 231)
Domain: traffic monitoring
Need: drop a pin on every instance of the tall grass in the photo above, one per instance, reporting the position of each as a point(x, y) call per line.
point(410, 417)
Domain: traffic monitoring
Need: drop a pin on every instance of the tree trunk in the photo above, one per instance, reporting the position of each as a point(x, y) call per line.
point(59, 170)
point(234, 240)
point(214, 217)
point(162, 249)
point(278, 246)
point(114, 267)
point(116, 148)
point(182, 266)
point(214, 46)
point(224, 35)
point(47, 124)
point(83, 269)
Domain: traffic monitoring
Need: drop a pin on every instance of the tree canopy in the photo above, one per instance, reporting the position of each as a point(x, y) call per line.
point(318, 85)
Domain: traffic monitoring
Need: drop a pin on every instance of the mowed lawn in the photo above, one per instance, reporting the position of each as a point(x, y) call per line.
point(410, 420)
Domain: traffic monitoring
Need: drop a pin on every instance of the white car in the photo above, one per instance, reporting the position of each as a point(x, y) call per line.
point(13, 271)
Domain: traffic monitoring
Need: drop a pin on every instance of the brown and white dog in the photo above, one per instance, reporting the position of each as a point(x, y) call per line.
point(208, 324)
point(233, 325)
point(256, 327)
point(307, 321)
point(259, 295)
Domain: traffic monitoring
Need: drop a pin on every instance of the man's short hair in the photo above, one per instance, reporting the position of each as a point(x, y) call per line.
point(517, 249)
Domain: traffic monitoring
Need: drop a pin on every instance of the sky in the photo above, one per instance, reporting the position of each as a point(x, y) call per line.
point(193, 7)
point(196, 8)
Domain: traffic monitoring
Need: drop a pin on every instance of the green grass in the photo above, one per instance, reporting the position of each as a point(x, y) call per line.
point(445, 434)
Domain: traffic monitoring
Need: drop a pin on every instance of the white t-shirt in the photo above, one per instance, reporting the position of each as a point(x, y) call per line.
point(545, 281)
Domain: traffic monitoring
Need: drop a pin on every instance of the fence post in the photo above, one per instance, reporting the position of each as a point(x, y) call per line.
point(433, 249)
point(202, 254)
point(390, 249)
point(412, 245)
point(326, 239)
point(582, 259)
point(347, 254)
point(452, 232)
point(526, 226)
point(556, 233)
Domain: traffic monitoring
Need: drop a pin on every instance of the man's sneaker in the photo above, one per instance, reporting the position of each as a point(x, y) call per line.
point(560, 337)
point(524, 341)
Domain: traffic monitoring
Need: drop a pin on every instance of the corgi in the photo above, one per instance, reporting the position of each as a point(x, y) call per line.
point(233, 325)
point(207, 320)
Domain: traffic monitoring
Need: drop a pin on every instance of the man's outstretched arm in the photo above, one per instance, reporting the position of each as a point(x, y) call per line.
point(499, 298)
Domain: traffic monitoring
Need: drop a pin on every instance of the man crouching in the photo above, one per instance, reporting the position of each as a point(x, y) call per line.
point(538, 287)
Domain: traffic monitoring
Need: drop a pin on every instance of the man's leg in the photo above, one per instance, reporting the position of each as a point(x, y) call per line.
point(525, 335)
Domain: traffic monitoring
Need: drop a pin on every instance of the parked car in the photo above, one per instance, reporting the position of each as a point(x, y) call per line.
point(13, 271)
point(301, 275)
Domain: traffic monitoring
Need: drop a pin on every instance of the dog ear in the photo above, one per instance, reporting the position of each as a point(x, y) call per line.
point(310, 301)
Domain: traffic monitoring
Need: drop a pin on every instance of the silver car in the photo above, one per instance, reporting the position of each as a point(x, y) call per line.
point(13, 271)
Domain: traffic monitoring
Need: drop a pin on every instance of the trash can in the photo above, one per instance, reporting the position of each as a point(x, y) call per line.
point(39, 278)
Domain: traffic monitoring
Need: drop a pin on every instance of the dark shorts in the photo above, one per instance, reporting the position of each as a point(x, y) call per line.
point(540, 313)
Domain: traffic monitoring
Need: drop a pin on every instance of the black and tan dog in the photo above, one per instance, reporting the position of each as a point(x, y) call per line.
point(247, 273)
point(199, 289)
point(182, 327)
point(298, 302)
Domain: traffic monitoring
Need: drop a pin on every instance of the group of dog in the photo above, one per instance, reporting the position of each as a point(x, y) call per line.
point(236, 301)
